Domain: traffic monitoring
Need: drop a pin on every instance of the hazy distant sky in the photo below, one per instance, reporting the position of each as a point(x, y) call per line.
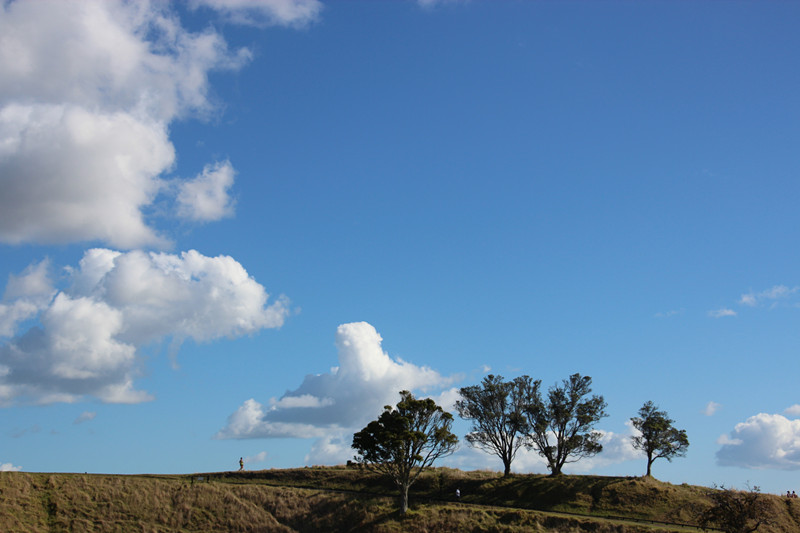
point(241, 228)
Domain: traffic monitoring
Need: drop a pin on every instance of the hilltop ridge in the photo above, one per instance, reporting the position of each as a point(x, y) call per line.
point(349, 499)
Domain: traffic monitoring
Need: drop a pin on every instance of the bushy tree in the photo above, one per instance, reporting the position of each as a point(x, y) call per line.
point(658, 437)
point(497, 411)
point(405, 440)
point(561, 427)
point(736, 511)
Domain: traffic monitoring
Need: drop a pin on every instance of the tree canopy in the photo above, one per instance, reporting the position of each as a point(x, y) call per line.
point(497, 411)
point(561, 427)
point(658, 437)
point(736, 511)
point(405, 440)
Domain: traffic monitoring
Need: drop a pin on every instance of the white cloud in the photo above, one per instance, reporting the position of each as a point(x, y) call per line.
point(711, 408)
point(773, 294)
point(617, 448)
point(748, 299)
point(260, 457)
point(296, 13)
point(304, 400)
point(85, 416)
point(25, 296)
point(34, 283)
point(725, 439)
point(348, 397)
point(87, 339)
point(720, 313)
point(89, 90)
point(8, 467)
point(763, 441)
point(206, 198)
point(793, 410)
point(332, 449)
point(74, 168)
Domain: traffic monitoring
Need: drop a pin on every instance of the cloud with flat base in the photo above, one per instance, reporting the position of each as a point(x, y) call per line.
point(763, 441)
point(346, 398)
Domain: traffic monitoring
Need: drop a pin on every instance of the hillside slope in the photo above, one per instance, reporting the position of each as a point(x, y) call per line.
point(343, 499)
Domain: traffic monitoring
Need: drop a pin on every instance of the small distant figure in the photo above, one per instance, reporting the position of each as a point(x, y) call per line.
point(241, 464)
point(458, 494)
point(794, 495)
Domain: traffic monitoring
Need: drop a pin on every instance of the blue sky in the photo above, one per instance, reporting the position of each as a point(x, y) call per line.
point(240, 228)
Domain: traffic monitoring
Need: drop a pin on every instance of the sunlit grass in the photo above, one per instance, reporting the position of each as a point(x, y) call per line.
point(348, 499)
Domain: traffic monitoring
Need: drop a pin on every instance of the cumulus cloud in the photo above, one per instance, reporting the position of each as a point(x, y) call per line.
point(349, 396)
point(260, 457)
point(297, 13)
point(332, 449)
point(771, 295)
point(763, 441)
point(711, 408)
point(794, 410)
point(8, 467)
point(206, 198)
point(89, 90)
point(25, 296)
point(720, 313)
point(617, 448)
point(87, 338)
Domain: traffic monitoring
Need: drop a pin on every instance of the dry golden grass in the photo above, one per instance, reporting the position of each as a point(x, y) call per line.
point(346, 499)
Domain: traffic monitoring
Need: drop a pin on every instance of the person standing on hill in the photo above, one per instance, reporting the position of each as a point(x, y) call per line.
point(241, 464)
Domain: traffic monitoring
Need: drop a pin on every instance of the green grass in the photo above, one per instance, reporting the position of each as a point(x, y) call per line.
point(322, 499)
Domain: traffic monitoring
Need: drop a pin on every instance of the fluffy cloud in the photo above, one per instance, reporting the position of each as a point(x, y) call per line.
point(87, 338)
point(617, 448)
point(347, 397)
point(8, 467)
point(793, 410)
point(763, 441)
point(89, 90)
point(206, 198)
point(332, 449)
point(25, 296)
point(260, 457)
point(296, 13)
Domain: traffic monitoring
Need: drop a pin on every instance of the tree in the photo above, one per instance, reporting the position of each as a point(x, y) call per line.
point(736, 511)
point(561, 427)
point(658, 439)
point(404, 441)
point(497, 411)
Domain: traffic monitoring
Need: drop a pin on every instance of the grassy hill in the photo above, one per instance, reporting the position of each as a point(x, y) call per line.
point(347, 499)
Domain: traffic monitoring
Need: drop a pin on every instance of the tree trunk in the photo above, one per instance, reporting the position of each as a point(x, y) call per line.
point(506, 467)
point(404, 499)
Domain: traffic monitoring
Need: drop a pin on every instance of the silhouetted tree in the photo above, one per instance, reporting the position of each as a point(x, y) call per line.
point(658, 438)
point(736, 511)
point(497, 411)
point(561, 427)
point(405, 440)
